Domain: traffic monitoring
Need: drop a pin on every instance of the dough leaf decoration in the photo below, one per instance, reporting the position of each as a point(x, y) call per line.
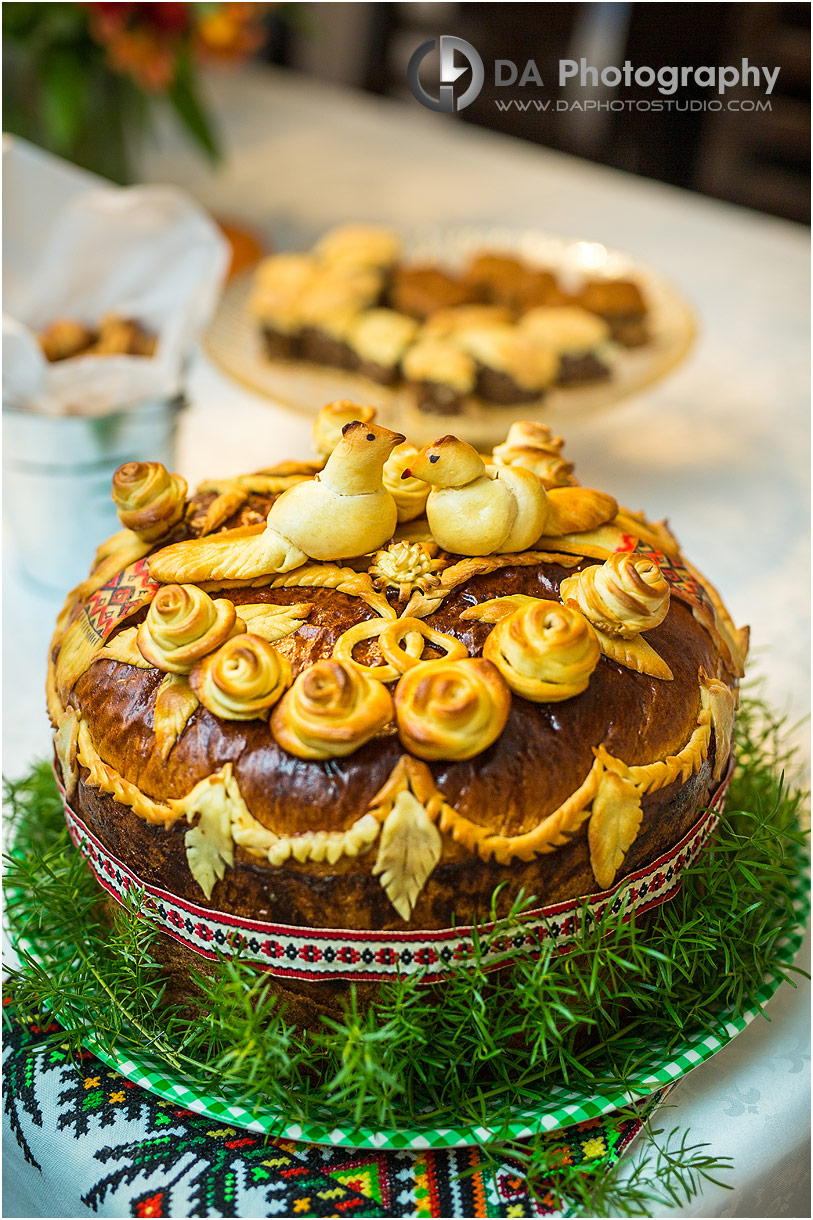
point(721, 702)
point(498, 607)
point(223, 506)
point(410, 848)
point(65, 744)
point(175, 703)
point(124, 649)
point(209, 846)
point(614, 825)
point(634, 654)
point(573, 510)
point(273, 622)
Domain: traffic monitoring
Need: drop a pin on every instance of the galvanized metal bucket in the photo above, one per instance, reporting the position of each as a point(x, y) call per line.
point(57, 473)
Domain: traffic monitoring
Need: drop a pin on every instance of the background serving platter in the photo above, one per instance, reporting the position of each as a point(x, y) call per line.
point(233, 340)
point(560, 1107)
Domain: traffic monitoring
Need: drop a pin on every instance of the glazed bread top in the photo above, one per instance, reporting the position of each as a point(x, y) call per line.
point(477, 665)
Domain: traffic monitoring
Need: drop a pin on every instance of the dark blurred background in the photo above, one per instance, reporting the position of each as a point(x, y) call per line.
point(67, 64)
point(759, 160)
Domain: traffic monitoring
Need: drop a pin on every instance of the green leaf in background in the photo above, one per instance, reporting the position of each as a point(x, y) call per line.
point(186, 103)
point(64, 92)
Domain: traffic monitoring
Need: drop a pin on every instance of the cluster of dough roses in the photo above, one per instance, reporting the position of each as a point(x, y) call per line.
point(451, 707)
point(443, 709)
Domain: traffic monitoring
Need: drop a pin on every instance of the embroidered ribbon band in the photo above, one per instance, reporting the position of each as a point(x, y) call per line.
point(321, 953)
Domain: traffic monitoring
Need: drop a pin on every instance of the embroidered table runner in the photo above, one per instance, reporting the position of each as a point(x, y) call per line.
point(86, 1136)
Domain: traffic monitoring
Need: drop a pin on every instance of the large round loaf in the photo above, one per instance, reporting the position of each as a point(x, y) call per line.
point(381, 742)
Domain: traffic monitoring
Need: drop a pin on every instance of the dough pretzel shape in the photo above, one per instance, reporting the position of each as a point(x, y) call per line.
point(368, 630)
point(414, 633)
point(404, 628)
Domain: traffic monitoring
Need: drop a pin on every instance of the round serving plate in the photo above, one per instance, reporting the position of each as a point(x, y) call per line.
point(561, 1106)
point(233, 341)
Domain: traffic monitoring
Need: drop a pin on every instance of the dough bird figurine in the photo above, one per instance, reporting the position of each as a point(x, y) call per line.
point(345, 510)
point(474, 509)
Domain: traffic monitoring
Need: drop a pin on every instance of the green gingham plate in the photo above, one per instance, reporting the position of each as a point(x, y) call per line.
point(561, 1107)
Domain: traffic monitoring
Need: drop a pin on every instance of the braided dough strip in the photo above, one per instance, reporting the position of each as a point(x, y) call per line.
point(315, 845)
point(126, 793)
point(421, 604)
point(555, 830)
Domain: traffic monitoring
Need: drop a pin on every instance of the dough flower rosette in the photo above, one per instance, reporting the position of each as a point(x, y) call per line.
point(451, 709)
point(545, 652)
point(182, 625)
point(623, 596)
point(149, 500)
point(242, 680)
point(331, 710)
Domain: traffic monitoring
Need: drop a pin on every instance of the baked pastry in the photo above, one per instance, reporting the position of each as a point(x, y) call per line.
point(511, 366)
point(442, 373)
point(511, 282)
point(359, 246)
point(421, 291)
point(327, 308)
point(580, 340)
point(326, 727)
point(380, 338)
point(113, 336)
point(498, 332)
point(622, 306)
point(279, 282)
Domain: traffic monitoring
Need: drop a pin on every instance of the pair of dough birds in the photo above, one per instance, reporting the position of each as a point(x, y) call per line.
point(347, 510)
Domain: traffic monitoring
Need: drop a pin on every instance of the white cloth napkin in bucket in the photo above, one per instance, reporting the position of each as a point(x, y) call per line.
point(76, 247)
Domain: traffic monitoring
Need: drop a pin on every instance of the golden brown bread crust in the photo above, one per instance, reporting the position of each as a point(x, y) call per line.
point(459, 891)
point(542, 756)
point(345, 894)
point(294, 817)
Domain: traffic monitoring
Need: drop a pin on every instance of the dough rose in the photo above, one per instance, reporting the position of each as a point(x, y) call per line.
point(327, 427)
point(545, 652)
point(534, 446)
point(242, 680)
point(149, 499)
point(451, 709)
point(331, 710)
point(625, 595)
point(182, 625)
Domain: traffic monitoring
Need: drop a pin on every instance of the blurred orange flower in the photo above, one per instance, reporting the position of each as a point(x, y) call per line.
point(144, 41)
point(231, 31)
point(148, 59)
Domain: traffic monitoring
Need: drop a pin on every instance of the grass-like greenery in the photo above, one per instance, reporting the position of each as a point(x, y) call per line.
point(474, 1051)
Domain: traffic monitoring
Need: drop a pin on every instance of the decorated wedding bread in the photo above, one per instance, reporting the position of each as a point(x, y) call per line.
point(324, 712)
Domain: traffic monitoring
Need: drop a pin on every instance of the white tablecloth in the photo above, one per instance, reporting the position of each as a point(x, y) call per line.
point(721, 448)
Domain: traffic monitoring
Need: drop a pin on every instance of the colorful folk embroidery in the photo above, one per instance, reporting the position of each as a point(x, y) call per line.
point(681, 582)
point(123, 594)
point(123, 1151)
